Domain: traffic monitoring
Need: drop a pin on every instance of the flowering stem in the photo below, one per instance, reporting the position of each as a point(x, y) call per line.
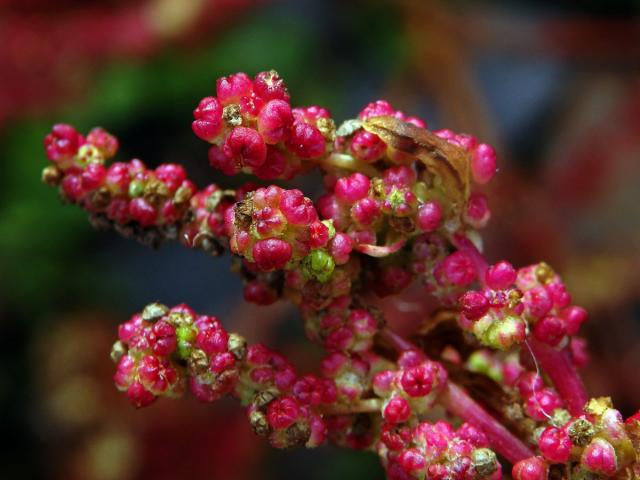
point(363, 406)
point(459, 403)
point(396, 341)
point(456, 401)
point(563, 374)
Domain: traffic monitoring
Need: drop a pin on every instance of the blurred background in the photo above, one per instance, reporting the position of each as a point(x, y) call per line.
point(554, 86)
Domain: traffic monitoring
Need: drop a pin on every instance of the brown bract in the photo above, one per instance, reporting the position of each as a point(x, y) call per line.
point(447, 162)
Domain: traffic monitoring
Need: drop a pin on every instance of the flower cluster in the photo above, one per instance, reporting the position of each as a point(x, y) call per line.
point(254, 129)
point(122, 194)
point(411, 390)
point(397, 208)
point(514, 302)
point(437, 451)
point(597, 443)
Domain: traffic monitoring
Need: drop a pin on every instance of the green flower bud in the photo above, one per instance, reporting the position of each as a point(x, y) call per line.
point(319, 265)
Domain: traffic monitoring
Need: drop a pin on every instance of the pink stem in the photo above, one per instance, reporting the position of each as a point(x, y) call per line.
point(459, 403)
point(558, 365)
point(397, 341)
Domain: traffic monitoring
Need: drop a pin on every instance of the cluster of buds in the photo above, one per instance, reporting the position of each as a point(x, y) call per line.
point(342, 328)
point(160, 350)
point(397, 207)
point(410, 391)
point(254, 129)
point(367, 146)
point(122, 194)
point(512, 303)
point(437, 451)
point(596, 444)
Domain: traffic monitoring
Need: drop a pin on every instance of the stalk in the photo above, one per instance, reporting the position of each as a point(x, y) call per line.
point(457, 402)
point(564, 376)
point(368, 405)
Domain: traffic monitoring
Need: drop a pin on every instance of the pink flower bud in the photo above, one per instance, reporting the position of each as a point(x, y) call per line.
point(305, 140)
point(379, 108)
point(367, 146)
point(574, 317)
point(340, 248)
point(365, 211)
point(269, 86)
point(164, 341)
point(456, 269)
point(600, 457)
point(62, 143)
point(171, 175)
point(550, 330)
point(399, 176)
point(418, 381)
point(352, 188)
point(297, 208)
point(483, 163)
point(541, 404)
point(208, 119)
point(412, 461)
point(537, 302)
point(500, 276)
point(246, 147)
point(429, 216)
point(142, 212)
point(93, 176)
point(139, 396)
point(230, 89)
point(397, 410)
point(555, 445)
point(103, 141)
point(477, 212)
point(474, 305)
point(271, 254)
point(274, 121)
point(534, 468)
point(72, 187)
point(283, 413)
point(212, 340)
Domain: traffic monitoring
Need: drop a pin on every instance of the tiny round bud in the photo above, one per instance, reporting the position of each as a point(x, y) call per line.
point(574, 317)
point(483, 163)
point(555, 445)
point(600, 457)
point(274, 121)
point(282, 413)
point(208, 119)
point(550, 330)
point(429, 216)
point(352, 188)
point(231, 88)
point(245, 146)
point(271, 254)
point(397, 410)
point(534, 468)
point(500, 276)
point(367, 146)
point(305, 140)
point(474, 305)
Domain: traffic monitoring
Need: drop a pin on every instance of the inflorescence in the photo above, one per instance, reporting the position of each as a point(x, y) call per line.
point(401, 206)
